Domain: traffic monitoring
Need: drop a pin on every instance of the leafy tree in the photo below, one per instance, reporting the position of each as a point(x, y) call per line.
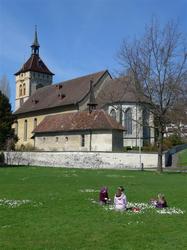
point(156, 65)
point(6, 121)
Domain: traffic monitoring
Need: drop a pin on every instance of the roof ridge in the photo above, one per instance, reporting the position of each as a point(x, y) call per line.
point(31, 62)
point(83, 76)
point(63, 82)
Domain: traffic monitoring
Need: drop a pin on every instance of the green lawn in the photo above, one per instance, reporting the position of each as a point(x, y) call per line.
point(182, 158)
point(59, 212)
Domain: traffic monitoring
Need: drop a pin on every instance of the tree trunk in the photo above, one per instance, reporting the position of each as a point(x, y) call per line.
point(160, 151)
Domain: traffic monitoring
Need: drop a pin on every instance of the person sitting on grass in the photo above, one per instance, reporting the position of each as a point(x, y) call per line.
point(160, 202)
point(103, 196)
point(120, 200)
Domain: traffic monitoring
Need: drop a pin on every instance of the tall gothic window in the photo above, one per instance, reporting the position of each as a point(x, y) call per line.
point(113, 113)
point(25, 130)
point(128, 121)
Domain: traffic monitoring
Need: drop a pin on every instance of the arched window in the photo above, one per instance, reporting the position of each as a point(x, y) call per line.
point(20, 90)
point(128, 121)
point(113, 113)
point(25, 130)
point(24, 89)
point(35, 123)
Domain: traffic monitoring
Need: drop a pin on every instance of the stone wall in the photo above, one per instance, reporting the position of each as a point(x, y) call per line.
point(82, 159)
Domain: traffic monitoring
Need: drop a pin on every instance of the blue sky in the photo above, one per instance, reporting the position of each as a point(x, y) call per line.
point(76, 37)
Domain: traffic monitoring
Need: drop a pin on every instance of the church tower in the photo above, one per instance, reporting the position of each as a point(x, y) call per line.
point(34, 74)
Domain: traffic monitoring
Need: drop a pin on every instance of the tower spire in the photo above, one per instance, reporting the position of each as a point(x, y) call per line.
point(35, 46)
point(92, 101)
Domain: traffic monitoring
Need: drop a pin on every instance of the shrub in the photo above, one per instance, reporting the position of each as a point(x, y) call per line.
point(173, 140)
point(147, 148)
point(150, 148)
point(2, 158)
point(127, 148)
point(28, 147)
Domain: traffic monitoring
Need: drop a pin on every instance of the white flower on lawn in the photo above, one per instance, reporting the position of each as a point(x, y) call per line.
point(89, 191)
point(16, 203)
point(142, 207)
point(170, 211)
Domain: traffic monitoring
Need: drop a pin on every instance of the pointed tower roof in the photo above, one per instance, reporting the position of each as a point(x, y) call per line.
point(36, 43)
point(35, 46)
point(34, 63)
point(92, 101)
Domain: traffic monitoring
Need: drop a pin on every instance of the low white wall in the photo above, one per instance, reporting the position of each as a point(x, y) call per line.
point(82, 159)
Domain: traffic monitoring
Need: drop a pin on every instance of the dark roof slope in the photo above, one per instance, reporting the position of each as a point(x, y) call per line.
point(119, 90)
point(76, 121)
point(34, 63)
point(65, 93)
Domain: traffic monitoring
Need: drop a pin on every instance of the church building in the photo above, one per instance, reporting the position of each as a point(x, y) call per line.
point(90, 113)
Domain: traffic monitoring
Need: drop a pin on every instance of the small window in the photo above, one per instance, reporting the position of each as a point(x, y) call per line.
point(82, 140)
point(35, 123)
point(43, 139)
point(20, 90)
point(25, 130)
point(56, 139)
point(66, 139)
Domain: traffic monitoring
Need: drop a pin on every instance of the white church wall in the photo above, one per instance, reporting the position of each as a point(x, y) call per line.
point(101, 142)
point(130, 139)
point(136, 138)
point(97, 141)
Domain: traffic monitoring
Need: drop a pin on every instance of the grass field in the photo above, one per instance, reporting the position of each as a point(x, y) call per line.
point(52, 208)
point(182, 158)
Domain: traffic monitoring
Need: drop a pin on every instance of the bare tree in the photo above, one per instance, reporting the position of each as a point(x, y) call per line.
point(156, 65)
point(4, 86)
point(178, 119)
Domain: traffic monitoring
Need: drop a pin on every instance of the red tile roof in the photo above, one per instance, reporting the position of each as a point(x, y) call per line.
point(62, 94)
point(78, 121)
point(34, 63)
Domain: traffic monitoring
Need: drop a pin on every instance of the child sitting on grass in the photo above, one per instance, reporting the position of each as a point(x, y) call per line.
point(103, 196)
point(120, 199)
point(160, 202)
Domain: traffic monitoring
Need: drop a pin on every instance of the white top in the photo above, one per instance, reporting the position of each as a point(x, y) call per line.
point(120, 202)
